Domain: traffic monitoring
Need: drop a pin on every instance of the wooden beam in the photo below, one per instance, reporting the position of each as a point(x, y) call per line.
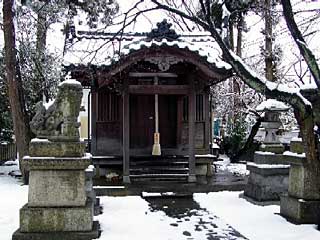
point(146, 74)
point(191, 121)
point(94, 113)
point(159, 89)
point(126, 133)
point(206, 111)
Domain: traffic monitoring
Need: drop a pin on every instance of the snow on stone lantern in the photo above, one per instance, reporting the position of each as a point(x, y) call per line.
point(272, 109)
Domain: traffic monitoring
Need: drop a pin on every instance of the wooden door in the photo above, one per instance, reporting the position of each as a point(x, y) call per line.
point(168, 121)
point(141, 121)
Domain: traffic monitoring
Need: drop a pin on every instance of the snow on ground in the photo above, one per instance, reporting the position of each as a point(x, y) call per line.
point(13, 197)
point(252, 221)
point(235, 168)
point(218, 215)
point(134, 218)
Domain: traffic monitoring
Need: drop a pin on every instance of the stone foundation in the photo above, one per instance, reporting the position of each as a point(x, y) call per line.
point(266, 184)
point(302, 202)
point(56, 219)
point(268, 178)
point(93, 234)
point(299, 210)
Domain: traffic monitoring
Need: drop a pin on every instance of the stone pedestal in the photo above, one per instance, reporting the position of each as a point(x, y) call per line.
point(268, 177)
point(302, 202)
point(46, 148)
point(58, 202)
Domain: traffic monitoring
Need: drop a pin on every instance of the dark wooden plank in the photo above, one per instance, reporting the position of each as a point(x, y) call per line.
point(141, 122)
point(159, 89)
point(147, 74)
point(126, 133)
point(207, 122)
point(94, 111)
point(191, 122)
point(168, 121)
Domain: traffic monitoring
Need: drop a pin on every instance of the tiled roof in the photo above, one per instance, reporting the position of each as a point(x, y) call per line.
point(99, 48)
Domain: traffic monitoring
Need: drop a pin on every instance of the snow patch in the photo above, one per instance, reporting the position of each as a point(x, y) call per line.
point(253, 221)
point(49, 103)
point(70, 81)
point(264, 153)
point(268, 166)
point(292, 154)
point(296, 139)
point(34, 140)
point(272, 104)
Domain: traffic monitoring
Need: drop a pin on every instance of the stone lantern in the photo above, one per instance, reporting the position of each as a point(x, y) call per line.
point(269, 173)
point(272, 109)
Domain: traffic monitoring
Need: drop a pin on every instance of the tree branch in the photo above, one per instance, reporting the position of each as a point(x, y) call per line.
point(298, 38)
point(260, 84)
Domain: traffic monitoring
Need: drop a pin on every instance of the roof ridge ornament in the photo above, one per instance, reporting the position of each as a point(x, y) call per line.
point(163, 31)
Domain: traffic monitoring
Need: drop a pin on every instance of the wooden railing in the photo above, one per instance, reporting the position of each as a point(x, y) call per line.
point(7, 152)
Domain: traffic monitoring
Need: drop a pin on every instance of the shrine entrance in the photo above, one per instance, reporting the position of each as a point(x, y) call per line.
point(142, 122)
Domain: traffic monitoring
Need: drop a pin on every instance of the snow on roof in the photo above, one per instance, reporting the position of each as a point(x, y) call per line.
point(272, 104)
point(100, 48)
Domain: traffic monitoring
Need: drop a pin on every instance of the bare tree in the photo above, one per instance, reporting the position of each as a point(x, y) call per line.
point(13, 80)
point(306, 113)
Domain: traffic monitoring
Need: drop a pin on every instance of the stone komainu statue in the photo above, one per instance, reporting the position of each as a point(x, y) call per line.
point(60, 121)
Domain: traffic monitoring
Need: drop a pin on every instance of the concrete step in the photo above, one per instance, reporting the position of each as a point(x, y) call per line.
point(159, 163)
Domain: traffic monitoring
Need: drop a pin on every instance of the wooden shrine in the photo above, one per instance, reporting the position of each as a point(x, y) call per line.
point(160, 82)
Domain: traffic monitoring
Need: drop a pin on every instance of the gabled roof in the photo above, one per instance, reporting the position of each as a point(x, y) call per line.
point(110, 54)
point(100, 48)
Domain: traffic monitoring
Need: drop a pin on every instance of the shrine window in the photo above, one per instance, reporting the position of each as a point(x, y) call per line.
point(108, 106)
point(199, 108)
point(185, 109)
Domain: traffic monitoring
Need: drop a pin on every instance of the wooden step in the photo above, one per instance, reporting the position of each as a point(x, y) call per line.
point(159, 177)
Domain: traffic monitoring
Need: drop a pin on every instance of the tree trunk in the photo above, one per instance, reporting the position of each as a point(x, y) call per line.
point(15, 91)
point(249, 143)
point(40, 50)
point(268, 41)
point(236, 83)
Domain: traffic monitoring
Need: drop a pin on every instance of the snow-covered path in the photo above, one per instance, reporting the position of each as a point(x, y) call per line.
point(213, 216)
point(219, 215)
point(159, 219)
point(12, 197)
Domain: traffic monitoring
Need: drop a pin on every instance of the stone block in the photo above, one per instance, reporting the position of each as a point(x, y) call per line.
point(266, 187)
point(93, 234)
point(57, 163)
point(302, 183)
point(56, 149)
point(296, 147)
point(57, 188)
point(277, 148)
point(56, 219)
point(265, 158)
point(268, 170)
point(201, 169)
point(299, 210)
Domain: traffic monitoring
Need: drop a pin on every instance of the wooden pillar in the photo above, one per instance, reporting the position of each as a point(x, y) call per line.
point(126, 133)
point(207, 125)
point(191, 119)
point(94, 113)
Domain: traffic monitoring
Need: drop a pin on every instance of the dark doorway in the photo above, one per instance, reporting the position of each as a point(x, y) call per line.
point(142, 122)
point(168, 121)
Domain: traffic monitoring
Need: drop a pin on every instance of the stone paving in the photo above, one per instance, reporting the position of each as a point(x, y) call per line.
point(180, 213)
